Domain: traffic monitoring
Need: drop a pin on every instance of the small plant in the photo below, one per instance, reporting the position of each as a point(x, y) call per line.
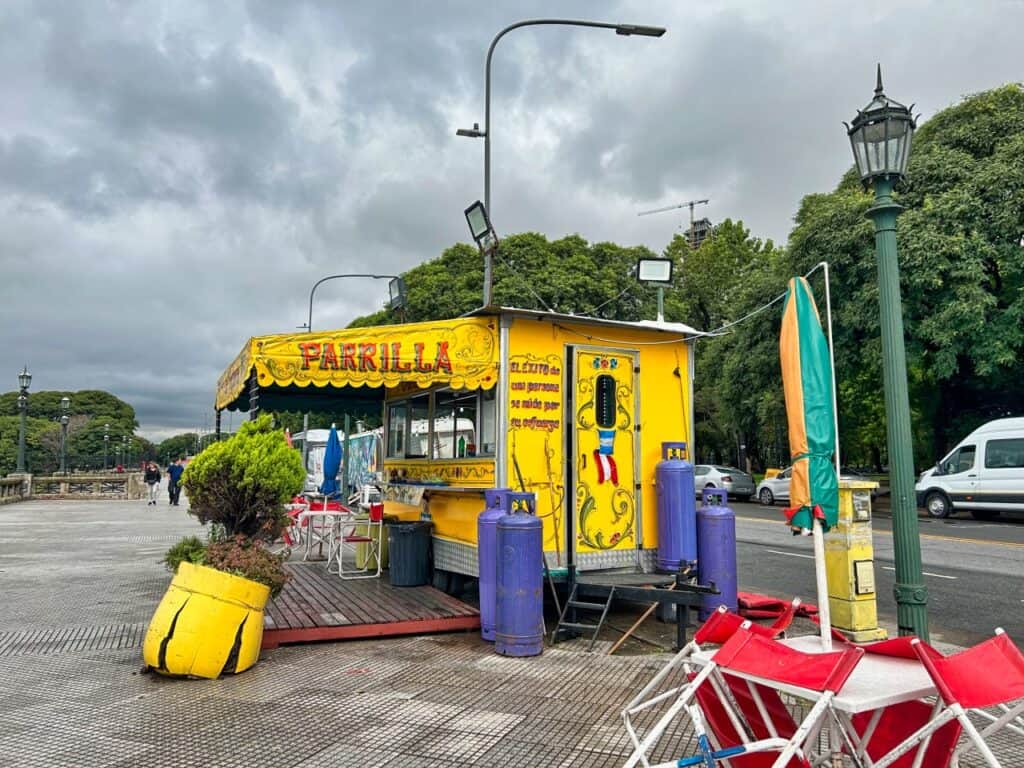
point(244, 482)
point(245, 557)
point(190, 549)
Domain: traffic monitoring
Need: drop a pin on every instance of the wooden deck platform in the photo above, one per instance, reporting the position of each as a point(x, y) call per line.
point(316, 605)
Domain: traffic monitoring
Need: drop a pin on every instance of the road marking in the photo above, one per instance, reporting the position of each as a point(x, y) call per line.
point(790, 554)
point(926, 573)
point(879, 532)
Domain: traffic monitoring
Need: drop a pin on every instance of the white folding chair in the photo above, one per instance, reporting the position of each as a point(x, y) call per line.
point(366, 530)
point(716, 630)
point(989, 675)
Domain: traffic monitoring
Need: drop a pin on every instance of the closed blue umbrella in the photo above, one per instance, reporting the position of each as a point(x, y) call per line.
point(332, 463)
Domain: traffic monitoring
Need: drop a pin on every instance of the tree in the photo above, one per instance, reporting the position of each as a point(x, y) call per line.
point(531, 272)
point(962, 271)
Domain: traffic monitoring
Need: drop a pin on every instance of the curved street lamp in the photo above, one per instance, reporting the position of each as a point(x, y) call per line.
point(626, 30)
point(24, 381)
point(396, 290)
point(880, 136)
point(65, 407)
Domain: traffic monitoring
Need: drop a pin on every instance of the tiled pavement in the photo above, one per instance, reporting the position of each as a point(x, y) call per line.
point(79, 581)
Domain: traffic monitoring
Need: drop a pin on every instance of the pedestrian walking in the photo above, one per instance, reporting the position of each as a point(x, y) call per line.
point(152, 478)
point(174, 472)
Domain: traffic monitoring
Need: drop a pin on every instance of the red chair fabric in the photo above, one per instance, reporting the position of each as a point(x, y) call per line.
point(958, 680)
point(721, 625)
point(762, 657)
point(725, 733)
point(899, 722)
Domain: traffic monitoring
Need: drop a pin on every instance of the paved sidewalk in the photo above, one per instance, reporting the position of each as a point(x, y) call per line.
point(79, 582)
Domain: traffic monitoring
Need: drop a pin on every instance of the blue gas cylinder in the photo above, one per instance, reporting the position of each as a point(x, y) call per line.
point(677, 517)
point(519, 618)
point(495, 506)
point(716, 551)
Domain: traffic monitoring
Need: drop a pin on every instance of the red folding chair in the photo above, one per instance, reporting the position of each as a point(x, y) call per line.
point(716, 630)
point(762, 666)
point(986, 676)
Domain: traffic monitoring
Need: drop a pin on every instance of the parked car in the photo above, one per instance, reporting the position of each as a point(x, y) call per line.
point(737, 483)
point(984, 474)
point(776, 488)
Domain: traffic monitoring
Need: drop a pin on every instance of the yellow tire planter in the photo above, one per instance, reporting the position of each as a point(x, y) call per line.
point(209, 623)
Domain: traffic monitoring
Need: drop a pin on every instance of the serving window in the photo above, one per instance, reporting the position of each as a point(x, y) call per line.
point(444, 424)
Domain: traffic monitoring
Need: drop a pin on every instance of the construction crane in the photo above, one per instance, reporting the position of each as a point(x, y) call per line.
point(688, 204)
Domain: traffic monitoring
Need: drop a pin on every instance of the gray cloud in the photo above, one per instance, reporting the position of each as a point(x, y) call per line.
point(175, 177)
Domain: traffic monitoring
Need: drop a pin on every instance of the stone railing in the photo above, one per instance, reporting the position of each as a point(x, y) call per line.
point(121, 485)
point(14, 488)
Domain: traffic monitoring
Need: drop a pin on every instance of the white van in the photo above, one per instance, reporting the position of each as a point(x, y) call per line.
point(984, 474)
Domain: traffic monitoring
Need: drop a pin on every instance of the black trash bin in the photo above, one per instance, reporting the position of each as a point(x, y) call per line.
point(409, 545)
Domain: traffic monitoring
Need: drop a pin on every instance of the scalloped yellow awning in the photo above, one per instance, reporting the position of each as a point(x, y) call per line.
point(461, 353)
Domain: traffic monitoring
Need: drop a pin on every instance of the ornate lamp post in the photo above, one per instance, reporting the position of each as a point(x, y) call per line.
point(130, 446)
point(24, 380)
point(880, 136)
point(65, 407)
point(106, 444)
point(124, 451)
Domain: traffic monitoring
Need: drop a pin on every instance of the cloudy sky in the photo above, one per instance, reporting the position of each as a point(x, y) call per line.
point(174, 176)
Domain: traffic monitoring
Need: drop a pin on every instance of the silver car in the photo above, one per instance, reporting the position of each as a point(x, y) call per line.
point(737, 483)
point(777, 488)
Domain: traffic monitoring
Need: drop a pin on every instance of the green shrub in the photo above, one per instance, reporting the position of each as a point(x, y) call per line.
point(190, 549)
point(244, 482)
point(247, 558)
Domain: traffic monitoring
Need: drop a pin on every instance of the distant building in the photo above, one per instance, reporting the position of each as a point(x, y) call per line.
point(702, 228)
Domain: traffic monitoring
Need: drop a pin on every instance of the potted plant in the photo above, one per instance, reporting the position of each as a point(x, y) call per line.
point(210, 621)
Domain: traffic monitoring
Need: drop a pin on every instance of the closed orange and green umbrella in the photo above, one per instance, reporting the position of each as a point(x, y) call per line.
point(807, 381)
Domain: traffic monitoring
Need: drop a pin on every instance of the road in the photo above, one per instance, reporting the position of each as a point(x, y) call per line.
point(974, 570)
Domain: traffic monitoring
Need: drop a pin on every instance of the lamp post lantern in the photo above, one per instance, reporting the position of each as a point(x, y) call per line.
point(106, 444)
point(880, 136)
point(625, 30)
point(65, 407)
point(24, 380)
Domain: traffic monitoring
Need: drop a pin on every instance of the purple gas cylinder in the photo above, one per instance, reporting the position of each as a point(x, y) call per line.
point(677, 515)
point(520, 596)
point(495, 506)
point(716, 551)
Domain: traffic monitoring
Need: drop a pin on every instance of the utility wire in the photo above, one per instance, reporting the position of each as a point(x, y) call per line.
point(522, 279)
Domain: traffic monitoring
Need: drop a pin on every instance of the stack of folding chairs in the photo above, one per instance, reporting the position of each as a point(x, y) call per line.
point(732, 702)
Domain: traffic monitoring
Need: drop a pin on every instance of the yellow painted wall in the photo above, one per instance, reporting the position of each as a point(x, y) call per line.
point(539, 445)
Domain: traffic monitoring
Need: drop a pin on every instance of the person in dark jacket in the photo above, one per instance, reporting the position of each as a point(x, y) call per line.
point(174, 473)
point(152, 478)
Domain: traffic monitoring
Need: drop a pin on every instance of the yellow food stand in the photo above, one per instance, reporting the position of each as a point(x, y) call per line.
point(571, 408)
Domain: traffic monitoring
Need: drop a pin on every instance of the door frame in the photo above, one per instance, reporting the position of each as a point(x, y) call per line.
point(571, 450)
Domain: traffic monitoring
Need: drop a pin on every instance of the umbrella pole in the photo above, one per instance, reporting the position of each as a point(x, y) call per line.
point(824, 616)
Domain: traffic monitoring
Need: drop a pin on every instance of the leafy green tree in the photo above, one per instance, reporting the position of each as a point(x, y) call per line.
point(531, 272)
point(962, 271)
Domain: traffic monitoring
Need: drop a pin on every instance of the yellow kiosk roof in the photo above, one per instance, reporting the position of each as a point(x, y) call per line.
point(461, 353)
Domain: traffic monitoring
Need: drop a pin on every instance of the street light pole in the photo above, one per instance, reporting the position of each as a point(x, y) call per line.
point(65, 406)
point(24, 380)
point(106, 444)
point(394, 299)
point(881, 137)
point(620, 29)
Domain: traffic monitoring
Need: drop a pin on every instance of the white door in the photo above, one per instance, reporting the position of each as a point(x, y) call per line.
point(960, 473)
point(1001, 474)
